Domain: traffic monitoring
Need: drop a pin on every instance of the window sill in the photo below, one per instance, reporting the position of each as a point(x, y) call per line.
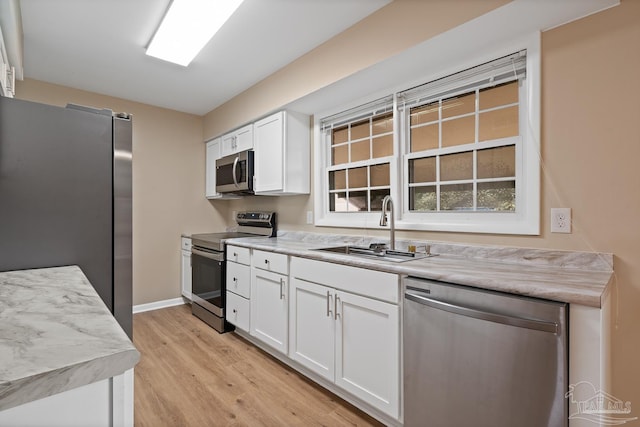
point(502, 223)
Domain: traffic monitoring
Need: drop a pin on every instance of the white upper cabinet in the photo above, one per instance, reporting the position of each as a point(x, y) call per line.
point(213, 153)
point(238, 140)
point(282, 159)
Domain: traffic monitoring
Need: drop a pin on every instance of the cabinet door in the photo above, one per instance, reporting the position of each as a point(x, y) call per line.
point(278, 263)
point(237, 311)
point(269, 155)
point(244, 138)
point(213, 153)
point(367, 350)
point(239, 279)
point(186, 274)
point(269, 307)
point(311, 327)
point(239, 254)
point(227, 144)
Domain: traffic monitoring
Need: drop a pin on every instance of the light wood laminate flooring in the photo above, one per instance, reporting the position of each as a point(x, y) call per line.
point(189, 375)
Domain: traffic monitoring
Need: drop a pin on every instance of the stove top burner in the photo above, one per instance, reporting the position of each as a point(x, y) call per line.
point(216, 241)
point(250, 224)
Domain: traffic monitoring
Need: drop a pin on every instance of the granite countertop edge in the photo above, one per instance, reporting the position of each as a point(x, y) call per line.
point(584, 286)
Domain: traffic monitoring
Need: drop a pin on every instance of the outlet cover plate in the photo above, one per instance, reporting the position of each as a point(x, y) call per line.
point(561, 220)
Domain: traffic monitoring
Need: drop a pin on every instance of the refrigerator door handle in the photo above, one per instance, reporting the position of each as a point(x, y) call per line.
point(416, 296)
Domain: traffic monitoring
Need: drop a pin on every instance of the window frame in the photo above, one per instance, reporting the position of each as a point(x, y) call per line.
point(524, 221)
point(490, 222)
point(325, 217)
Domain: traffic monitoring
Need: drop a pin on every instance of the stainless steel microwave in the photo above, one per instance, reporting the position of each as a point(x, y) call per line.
point(234, 173)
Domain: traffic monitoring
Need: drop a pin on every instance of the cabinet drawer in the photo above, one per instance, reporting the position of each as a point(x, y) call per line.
point(270, 261)
point(186, 243)
point(370, 283)
point(239, 279)
point(238, 310)
point(239, 255)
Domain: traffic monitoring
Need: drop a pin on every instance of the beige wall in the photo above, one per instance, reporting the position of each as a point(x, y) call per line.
point(168, 185)
point(590, 151)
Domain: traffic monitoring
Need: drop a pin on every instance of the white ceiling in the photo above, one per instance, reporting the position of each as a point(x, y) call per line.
point(98, 46)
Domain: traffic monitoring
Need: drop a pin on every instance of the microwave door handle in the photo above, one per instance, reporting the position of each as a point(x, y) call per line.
point(235, 164)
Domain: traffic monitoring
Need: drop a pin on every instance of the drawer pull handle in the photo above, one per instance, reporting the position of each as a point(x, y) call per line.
point(235, 279)
point(235, 311)
point(266, 261)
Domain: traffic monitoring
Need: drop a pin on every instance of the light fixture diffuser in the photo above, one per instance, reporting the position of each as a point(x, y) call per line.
point(187, 27)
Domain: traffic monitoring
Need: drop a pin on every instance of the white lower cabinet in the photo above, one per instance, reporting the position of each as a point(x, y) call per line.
point(367, 350)
point(105, 403)
point(312, 327)
point(237, 311)
point(349, 339)
point(238, 277)
point(269, 307)
point(185, 257)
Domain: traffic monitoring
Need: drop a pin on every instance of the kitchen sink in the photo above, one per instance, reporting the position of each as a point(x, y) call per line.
point(375, 251)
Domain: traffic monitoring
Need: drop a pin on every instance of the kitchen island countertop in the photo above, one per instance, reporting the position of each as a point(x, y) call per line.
point(56, 334)
point(572, 277)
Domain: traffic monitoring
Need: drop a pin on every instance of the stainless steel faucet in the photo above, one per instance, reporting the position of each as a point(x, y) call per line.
point(387, 206)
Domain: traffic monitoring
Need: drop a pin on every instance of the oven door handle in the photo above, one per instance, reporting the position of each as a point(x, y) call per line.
point(214, 256)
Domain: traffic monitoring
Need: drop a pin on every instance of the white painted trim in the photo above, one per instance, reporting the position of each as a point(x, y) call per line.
point(140, 308)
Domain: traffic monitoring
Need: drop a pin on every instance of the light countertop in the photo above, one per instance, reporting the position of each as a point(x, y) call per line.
point(572, 277)
point(56, 334)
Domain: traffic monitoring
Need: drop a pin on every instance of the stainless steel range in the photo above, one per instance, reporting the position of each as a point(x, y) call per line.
point(208, 266)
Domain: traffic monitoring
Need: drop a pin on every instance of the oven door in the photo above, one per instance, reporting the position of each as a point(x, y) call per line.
point(207, 276)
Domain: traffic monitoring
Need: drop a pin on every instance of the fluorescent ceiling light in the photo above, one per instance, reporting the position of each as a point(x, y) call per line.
point(187, 27)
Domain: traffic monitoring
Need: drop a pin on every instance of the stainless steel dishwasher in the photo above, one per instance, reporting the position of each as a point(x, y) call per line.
point(482, 358)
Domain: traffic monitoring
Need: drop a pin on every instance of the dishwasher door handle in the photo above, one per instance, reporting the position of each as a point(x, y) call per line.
point(483, 315)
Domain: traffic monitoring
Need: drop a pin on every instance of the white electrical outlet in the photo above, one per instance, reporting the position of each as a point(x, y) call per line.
point(309, 217)
point(561, 220)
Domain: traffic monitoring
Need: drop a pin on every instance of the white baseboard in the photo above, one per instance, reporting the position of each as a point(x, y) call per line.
point(158, 305)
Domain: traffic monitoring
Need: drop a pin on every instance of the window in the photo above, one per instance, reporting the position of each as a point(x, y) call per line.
point(466, 151)
point(459, 153)
point(360, 149)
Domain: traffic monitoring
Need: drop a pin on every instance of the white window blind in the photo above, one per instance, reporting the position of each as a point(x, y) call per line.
point(361, 112)
point(502, 70)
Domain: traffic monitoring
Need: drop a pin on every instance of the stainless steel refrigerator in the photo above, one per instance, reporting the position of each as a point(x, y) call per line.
point(65, 195)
